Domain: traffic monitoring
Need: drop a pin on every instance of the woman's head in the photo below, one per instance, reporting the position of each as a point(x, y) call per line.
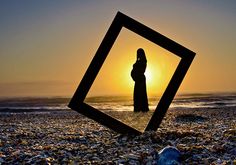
point(141, 55)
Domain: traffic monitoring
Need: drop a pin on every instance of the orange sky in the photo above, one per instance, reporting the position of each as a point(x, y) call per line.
point(46, 47)
point(114, 76)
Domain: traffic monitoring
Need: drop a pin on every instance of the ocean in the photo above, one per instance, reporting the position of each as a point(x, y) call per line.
point(115, 103)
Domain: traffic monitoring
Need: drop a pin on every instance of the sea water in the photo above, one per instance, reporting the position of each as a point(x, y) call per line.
point(116, 103)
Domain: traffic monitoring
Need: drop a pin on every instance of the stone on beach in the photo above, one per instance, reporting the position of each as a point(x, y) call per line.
point(67, 137)
point(169, 156)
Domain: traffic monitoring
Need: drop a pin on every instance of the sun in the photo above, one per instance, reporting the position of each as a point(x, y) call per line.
point(148, 75)
point(154, 79)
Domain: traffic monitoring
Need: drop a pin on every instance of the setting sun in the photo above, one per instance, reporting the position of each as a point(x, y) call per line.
point(148, 75)
point(114, 78)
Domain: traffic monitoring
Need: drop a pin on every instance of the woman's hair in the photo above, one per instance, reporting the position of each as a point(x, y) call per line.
point(141, 55)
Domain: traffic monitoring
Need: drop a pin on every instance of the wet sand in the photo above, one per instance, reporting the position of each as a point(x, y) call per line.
point(203, 136)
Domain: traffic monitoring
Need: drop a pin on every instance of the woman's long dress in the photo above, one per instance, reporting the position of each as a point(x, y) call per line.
point(140, 92)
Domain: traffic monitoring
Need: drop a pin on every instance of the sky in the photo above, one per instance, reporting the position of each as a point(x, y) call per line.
point(46, 46)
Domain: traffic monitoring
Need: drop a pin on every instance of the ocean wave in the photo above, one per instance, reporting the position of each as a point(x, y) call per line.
point(118, 103)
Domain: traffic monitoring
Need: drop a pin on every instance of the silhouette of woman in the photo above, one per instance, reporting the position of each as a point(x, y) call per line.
point(137, 74)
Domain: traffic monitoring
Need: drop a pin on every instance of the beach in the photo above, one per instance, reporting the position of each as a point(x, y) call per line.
point(62, 136)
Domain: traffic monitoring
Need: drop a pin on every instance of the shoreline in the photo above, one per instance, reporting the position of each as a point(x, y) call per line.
point(68, 137)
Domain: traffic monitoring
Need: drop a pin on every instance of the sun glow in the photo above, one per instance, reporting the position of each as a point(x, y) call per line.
point(148, 75)
point(154, 79)
point(114, 78)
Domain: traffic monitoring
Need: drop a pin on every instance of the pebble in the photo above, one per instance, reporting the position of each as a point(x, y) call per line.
point(169, 155)
point(1, 160)
point(70, 138)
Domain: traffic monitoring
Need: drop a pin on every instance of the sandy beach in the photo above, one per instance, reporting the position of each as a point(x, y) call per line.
point(203, 136)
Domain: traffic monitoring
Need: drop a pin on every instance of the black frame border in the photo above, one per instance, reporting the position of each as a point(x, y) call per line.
point(121, 20)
